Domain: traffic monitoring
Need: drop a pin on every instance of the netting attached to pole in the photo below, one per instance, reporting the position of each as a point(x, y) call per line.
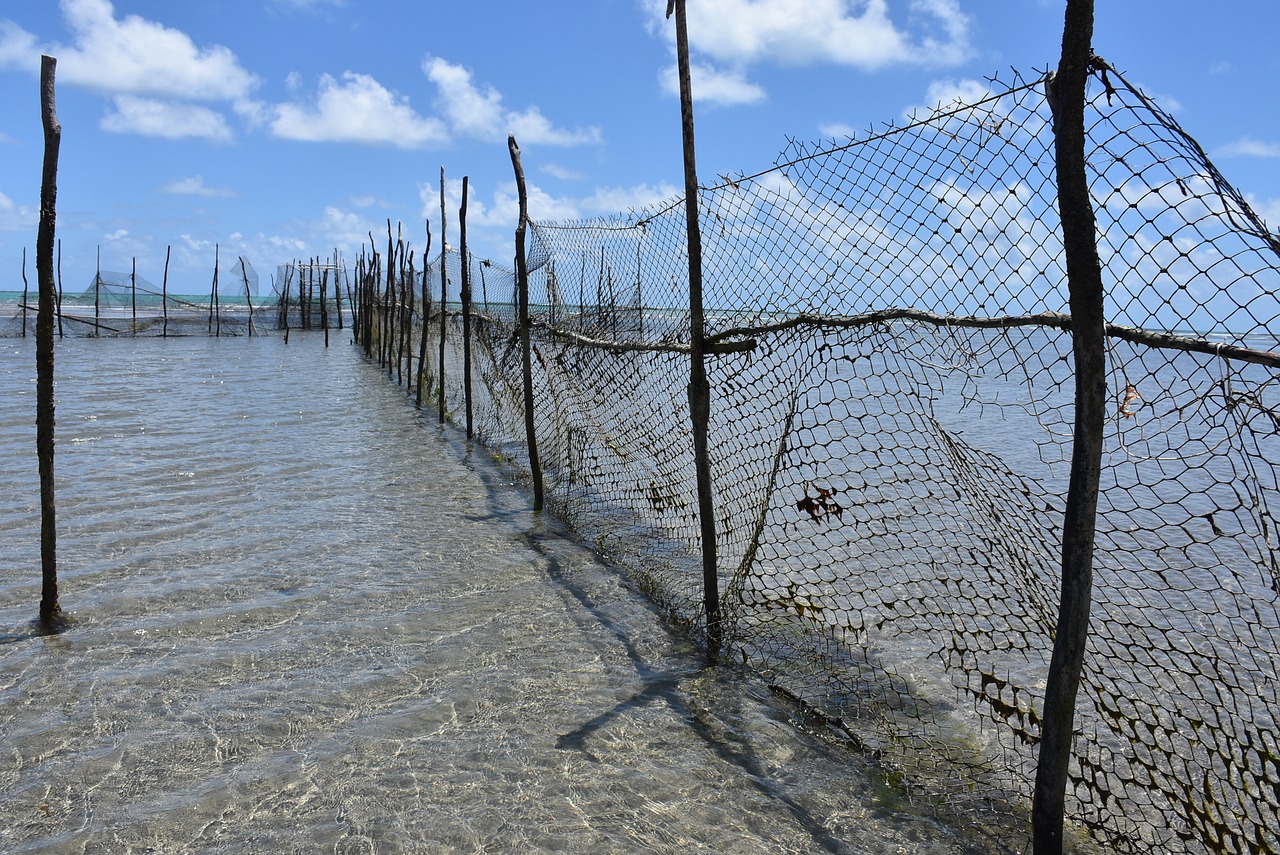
point(892, 385)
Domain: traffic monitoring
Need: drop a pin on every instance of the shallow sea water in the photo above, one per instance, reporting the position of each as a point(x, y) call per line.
point(308, 619)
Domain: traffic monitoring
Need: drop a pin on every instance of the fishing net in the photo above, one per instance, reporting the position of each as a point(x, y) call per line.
point(128, 304)
point(892, 392)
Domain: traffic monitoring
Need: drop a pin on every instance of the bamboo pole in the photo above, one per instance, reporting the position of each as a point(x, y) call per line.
point(699, 388)
point(50, 610)
point(522, 286)
point(1088, 336)
point(466, 304)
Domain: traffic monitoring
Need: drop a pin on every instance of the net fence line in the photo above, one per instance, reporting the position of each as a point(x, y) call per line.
point(892, 410)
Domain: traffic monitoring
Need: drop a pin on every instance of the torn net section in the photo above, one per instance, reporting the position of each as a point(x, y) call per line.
point(892, 410)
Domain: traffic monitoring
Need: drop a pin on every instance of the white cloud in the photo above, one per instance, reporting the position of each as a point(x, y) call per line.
point(713, 85)
point(555, 170)
point(843, 32)
point(136, 56)
point(1268, 209)
point(357, 109)
point(15, 217)
point(195, 186)
point(477, 112)
point(612, 200)
point(118, 234)
point(18, 48)
point(1248, 147)
point(838, 131)
point(167, 119)
point(947, 94)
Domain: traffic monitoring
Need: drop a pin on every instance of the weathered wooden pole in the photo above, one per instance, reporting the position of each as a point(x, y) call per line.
point(213, 295)
point(164, 292)
point(25, 292)
point(133, 294)
point(248, 297)
point(97, 291)
point(59, 292)
point(50, 610)
point(522, 288)
point(426, 317)
point(337, 287)
point(466, 304)
point(1084, 279)
point(699, 388)
point(324, 303)
point(444, 283)
point(410, 290)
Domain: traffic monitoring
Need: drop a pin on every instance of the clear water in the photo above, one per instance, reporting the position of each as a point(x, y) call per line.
point(307, 619)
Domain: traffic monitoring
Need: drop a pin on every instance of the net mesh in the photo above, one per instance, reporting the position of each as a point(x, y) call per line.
point(892, 406)
point(128, 304)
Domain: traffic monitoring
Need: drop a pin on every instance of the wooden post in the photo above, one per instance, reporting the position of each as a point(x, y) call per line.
point(699, 388)
point(1084, 277)
point(522, 287)
point(133, 294)
point(213, 294)
point(444, 282)
point(337, 287)
point(50, 611)
point(410, 290)
point(164, 292)
point(426, 316)
point(324, 311)
point(59, 292)
point(248, 297)
point(24, 292)
point(97, 290)
point(466, 304)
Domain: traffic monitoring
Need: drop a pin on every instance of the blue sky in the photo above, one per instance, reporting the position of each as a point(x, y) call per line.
point(282, 129)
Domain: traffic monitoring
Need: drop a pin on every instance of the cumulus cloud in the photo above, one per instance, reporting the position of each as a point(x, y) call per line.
point(844, 32)
point(167, 119)
point(729, 36)
point(131, 55)
point(195, 186)
point(714, 85)
point(14, 217)
point(944, 94)
point(356, 109)
point(477, 111)
point(152, 72)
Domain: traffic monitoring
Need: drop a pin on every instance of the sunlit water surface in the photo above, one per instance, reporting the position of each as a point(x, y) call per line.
point(306, 619)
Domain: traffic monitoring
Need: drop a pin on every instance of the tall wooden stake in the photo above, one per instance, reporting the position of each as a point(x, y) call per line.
point(50, 610)
point(164, 292)
point(1084, 277)
point(466, 303)
point(426, 316)
point(522, 287)
point(444, 281)
point(699, 388)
